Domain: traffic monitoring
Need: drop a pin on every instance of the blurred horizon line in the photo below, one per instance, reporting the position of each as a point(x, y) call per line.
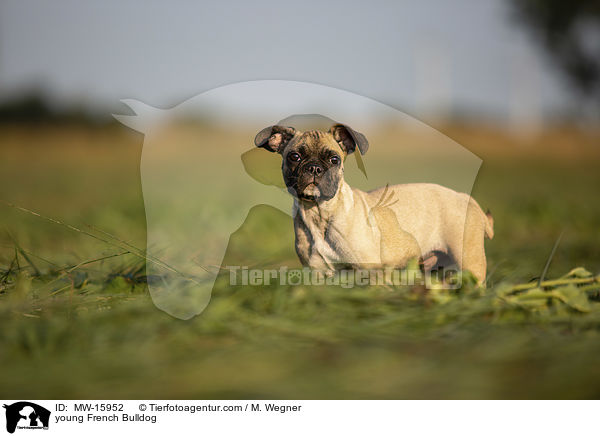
point(35, 105)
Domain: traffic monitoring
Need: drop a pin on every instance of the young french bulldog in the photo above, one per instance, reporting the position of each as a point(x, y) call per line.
point(339, 227)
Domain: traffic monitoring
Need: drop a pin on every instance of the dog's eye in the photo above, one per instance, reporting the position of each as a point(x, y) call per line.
point(335, 160)
point(294, 157)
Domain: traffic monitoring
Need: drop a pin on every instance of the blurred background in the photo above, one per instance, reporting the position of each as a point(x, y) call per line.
point(517, 83)
point(516, 63)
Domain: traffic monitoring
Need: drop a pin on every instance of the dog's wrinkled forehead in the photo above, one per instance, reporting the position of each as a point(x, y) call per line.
point(313, 141)
point(278, 138)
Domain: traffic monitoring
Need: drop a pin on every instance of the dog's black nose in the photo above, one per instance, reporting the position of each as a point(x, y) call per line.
point(314, 169)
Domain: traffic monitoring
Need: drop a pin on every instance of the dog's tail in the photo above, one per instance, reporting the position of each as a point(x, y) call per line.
point(489, 225)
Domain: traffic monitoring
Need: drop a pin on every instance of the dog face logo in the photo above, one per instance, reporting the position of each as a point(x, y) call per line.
point(26, 415)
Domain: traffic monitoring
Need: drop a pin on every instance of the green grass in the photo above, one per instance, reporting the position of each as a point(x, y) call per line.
point(71, 329)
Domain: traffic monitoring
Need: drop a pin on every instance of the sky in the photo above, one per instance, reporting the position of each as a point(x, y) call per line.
point(426, 58)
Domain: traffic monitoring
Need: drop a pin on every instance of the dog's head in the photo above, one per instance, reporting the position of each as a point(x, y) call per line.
point(313, 161)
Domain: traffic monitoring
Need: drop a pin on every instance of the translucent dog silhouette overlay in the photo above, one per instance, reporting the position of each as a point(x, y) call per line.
point(203, 178)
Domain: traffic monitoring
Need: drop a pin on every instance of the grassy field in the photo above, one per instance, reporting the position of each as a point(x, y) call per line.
point(76, 319)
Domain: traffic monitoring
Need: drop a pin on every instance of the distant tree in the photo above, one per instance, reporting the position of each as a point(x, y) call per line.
point(29, 108)
point(570, 31)
point(33, 107)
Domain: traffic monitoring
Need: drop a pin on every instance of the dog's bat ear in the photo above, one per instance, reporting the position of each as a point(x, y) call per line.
point(349, 139)
point(274, 138)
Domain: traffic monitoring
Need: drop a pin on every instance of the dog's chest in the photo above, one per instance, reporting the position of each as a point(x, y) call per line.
point(330, 242)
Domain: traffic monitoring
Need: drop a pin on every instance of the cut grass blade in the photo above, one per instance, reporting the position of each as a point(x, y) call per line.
point(545, 271)
point(19, 250)
point(141, 252)
point(135, 251)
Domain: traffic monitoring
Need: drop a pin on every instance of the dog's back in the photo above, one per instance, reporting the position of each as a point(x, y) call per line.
point(439, 219)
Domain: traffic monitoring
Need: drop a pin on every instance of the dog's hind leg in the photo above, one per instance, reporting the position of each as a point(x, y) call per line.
point(473, 258)
point(468, 247)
